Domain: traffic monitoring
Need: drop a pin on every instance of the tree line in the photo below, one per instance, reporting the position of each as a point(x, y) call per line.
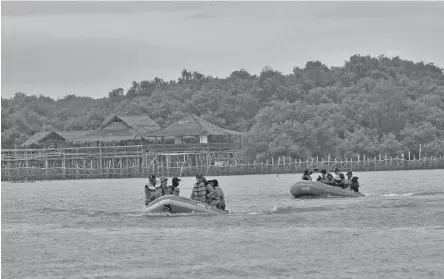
point(369, 106)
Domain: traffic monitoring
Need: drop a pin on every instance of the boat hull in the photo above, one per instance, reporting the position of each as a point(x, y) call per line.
point(306, 188)
point(181, 205)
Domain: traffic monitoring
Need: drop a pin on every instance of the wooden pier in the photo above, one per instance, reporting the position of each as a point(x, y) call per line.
point(174, 160)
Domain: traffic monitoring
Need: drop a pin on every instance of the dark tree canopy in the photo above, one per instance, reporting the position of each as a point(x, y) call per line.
point(370, 106)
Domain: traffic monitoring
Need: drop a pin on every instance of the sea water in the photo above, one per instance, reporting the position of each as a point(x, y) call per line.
point(97, 229)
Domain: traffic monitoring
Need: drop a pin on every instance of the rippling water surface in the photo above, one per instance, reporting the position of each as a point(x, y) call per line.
point(97, 229)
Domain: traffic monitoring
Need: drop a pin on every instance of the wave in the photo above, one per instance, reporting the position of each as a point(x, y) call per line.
point(431, 193)
point(396, 195)
point(85, 212)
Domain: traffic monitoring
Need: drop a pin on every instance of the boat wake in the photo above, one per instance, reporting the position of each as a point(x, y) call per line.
point(290, 209)
point(168, 214)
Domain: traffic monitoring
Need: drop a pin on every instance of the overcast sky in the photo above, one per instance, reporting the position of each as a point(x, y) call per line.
point(89, 48)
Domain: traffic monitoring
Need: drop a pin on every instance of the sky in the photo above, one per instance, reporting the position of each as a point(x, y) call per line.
point(90, 48)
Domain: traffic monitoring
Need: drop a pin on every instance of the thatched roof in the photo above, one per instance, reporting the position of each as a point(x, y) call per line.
point(117, 127)
point(141, 123)
point(191, 125)
point(62, 135)
point(71, 135)
point(106, 135)
point(37, 138)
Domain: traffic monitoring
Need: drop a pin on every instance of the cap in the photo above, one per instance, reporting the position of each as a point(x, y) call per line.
point(324, 171)
point(199, 175)
point(152, 177)
point(215, 182)
point(349, 173)
point(163, 178)
point(175, 179)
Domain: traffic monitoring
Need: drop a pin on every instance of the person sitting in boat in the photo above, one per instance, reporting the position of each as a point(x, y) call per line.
point(326, 177)
point(355, 184)
point(339, 179)
point(307, 175)
point(152, 191)
point(174, 188)
point(323, 176)
point(201, 191)
point(217, 200)
point(330, 178)
point(352, 182)
point(164, 185)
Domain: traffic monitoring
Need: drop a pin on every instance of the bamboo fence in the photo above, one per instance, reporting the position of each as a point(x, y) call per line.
point(137, 161)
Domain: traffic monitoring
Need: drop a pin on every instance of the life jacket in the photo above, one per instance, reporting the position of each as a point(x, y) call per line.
point(354, 184)
point(323, 178)
point(199, 192)
point(152, 193)
point(219, 201)
point(170, 190)
point(340, 177)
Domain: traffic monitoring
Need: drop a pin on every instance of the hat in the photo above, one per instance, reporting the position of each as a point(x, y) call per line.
point(199, 175)
point(324, 171)
point(176, 179)
point(349, 173)
point(152, 177)
point(215, 182)
point(163, 178)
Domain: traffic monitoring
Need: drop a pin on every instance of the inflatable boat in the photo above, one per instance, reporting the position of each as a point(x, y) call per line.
point(306, 188)
point(178, 204)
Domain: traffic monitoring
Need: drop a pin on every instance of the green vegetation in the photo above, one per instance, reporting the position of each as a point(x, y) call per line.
point(371, 105)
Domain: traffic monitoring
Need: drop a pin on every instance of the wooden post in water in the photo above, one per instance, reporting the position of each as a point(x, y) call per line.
point(100, 162)
point(351, 163)
point(420, 151)
point(26, 163)
point(46, 164)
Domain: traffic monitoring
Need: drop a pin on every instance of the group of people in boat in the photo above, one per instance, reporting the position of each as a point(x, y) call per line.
point(339, 179)
point(206, 191)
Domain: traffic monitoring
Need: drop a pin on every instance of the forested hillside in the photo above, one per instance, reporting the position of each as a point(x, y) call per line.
point(371, 105)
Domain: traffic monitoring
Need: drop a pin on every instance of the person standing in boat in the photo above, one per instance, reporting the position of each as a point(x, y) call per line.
point(201, 190)
point(152, 192)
